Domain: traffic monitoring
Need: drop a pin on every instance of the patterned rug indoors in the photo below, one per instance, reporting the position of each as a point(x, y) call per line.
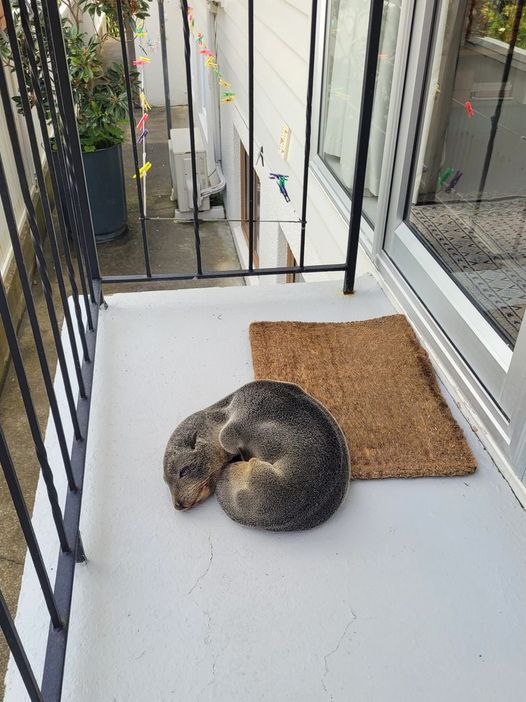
point(483, 246)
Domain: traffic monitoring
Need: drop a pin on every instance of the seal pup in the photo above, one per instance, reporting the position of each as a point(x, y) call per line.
point(274, 456)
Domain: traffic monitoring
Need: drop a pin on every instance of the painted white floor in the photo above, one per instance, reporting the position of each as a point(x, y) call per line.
point(414, 590)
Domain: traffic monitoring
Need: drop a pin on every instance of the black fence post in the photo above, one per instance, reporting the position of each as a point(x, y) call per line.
point(15, 645)
point(250, 134)
point(166, 75)
point(364, 130)
point(66, 104)
point(191, 124)
point(308, 127)
point(133, 135)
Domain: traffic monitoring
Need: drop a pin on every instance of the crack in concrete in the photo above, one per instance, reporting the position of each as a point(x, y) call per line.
point(205, 573)
point(333, 651)
point(215, 658)
point(206, 640)
point(212, 681)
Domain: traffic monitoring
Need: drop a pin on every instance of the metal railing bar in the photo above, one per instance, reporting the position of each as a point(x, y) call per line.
point(63, 591)
point(27, 528)
point(160, 277)
point(79, 215)
point(364, 130)
point(308, 126)
point(59, 62)
point(35, 328)
point(495, 118)
point(45, 201)
point(32, 418)
point(76, 234)
point(133, 135)
point(15, 645)
point(224, 219)
point(166, 75)
point(250, 134)
point(56, 188)
point(44, 277)
point(73, 205)
point(191, 124)
point(64, 157)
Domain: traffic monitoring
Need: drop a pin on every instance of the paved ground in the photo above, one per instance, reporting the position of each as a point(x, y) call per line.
point(171, 249)
point(171, 244)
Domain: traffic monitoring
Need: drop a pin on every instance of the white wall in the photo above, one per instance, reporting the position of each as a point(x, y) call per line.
point(12, 177)
point(153, 72)
point(281, 33)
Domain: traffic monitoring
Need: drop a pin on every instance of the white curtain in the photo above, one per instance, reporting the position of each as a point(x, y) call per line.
point(347, 41)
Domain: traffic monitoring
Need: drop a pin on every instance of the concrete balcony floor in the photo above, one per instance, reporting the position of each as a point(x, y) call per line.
point(171, 248)
point(414, 590)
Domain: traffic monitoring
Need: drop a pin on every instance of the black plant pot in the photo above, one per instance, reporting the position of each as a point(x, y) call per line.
point(107, 195)
point(106, 192)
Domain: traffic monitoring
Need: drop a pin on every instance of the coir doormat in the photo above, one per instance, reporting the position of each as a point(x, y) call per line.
point(377, 381)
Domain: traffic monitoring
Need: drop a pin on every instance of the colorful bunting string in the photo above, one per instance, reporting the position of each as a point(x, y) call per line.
point(144, 102)
point(210, 58)
point(143, 170)
point(143, 136)
point(281, 181)
point(141, 61)
point(139, 32)
point(140, 124)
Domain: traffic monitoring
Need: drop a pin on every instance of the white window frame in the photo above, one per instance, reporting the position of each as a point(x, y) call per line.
point(371, 235)
point(491, 404)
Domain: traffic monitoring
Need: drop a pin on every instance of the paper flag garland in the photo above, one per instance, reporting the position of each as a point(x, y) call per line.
point(141, 61)
point(143, 170)
point(211, 58)
point(143, 136)
point(453, 181)
point(144, 102)
point(140, 124)
point(445, 175)
point(281, 182)
point(138, 31)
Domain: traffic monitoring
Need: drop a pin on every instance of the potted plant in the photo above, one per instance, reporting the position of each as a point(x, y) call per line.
point(99, 94)
point(100, 97)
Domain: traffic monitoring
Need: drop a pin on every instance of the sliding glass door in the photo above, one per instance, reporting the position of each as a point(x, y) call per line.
point(457, 221)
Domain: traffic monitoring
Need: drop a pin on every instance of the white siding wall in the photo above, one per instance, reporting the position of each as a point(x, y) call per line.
point(281, 33)
point(12, 178)
point(153, 72)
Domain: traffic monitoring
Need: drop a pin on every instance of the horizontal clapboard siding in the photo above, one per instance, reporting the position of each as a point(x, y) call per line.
point(281, 31)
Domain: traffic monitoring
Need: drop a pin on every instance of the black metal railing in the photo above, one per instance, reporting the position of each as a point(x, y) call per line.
point(348, 267)
point(37, 54)
point(38, 60)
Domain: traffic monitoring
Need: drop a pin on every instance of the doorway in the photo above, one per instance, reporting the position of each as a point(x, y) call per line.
point(456, 225)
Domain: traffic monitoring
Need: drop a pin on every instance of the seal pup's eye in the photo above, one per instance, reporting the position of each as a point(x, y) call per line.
point(184, 471)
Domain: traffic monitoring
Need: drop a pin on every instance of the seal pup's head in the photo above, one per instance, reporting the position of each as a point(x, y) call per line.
point(192, 465)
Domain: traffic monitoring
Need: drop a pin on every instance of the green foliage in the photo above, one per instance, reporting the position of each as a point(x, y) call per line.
point(495, 19)
point(99, 90)
point(131, 9)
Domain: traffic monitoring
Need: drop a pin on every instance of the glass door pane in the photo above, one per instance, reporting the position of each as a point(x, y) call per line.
point(467, 205)
point(345, 45)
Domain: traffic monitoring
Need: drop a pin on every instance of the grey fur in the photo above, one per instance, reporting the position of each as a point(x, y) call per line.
point(275, 457)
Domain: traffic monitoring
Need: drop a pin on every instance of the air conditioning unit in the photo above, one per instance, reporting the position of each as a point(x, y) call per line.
point(181, 168)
